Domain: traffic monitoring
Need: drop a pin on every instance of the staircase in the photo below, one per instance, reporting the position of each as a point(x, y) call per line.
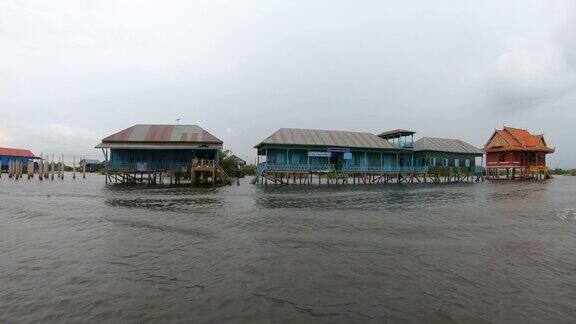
point(262, 167)
point(224, 177)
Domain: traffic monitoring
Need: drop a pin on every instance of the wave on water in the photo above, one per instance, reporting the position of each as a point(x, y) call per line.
point(567, 214)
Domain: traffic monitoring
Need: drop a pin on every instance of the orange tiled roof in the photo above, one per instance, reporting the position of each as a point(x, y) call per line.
point(518, 139)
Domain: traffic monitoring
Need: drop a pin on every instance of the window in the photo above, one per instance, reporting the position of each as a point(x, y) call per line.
point(280, 158)
point(457, 163)
point(445, 162)
point(295, 159)
point(467, 163)
point(432, 161)
point(502, 157)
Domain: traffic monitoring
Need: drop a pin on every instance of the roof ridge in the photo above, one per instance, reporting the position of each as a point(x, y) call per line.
point(514, 136)
point(443, 138)
point(508, 127)
point(166, 125)
point(325, 130)
point(13, 148)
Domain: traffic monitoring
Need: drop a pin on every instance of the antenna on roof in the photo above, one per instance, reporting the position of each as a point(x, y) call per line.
point(177, 121)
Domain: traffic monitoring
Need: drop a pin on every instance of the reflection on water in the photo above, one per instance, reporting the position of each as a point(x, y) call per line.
point(164, 204)
point(364, 197)
point(82, 251)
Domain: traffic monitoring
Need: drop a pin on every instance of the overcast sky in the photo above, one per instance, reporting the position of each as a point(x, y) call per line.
point(73, 72)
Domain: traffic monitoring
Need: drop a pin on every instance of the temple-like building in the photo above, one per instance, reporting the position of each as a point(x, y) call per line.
point(513, 153)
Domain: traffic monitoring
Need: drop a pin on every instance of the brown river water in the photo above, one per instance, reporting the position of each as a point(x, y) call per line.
point(82, 251)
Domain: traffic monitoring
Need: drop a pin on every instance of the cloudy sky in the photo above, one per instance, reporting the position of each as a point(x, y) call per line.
point(72, 72)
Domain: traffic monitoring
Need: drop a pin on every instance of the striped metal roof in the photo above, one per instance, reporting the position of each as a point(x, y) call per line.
point(328, 138)
point(161, 137)
point(445, 145)
point(163, 134)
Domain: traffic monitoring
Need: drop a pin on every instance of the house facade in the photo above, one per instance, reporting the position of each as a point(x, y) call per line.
point(445, 153)
point(159, 147)
point(517, 153)
point(8, 155)
point(317, 150)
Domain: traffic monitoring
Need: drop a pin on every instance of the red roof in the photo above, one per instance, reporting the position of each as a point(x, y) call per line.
point(164, 134)
point(5, 151)
point(516, 139)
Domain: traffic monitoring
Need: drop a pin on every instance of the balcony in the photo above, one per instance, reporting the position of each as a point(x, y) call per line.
point(148, 167)
point(263, 167)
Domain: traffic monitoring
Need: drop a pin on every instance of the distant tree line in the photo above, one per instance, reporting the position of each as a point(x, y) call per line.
point(569, 172)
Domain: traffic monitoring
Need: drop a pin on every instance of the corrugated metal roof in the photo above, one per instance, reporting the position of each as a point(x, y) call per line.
point(329, 138)
point(6, 151)
point(445, 145)
point(396, 132)
point(90, 161)
point(164, 134)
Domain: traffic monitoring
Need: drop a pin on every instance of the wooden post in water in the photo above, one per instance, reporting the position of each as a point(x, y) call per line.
point(74, 167)
point(46, 166)
point(0, 169)
point(52, 168)
point(192, 173)
point(18, 169)
point(62, 168)
point(84, 169)
point(41, 166)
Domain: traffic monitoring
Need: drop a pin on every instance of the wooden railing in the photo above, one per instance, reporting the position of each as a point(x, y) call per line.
point(148, 167)
point(264, 167)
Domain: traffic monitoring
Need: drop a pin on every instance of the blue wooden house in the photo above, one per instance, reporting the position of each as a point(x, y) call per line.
point(8, 155)
point(159, 148)
point(309, 150)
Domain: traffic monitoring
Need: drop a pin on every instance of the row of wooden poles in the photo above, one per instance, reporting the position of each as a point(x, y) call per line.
point(47, 169)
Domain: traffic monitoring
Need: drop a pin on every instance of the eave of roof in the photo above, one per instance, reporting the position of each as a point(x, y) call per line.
point(158, 146)
point(291, 137)
point(519, 149)
point(447, 145)
point(154, 133)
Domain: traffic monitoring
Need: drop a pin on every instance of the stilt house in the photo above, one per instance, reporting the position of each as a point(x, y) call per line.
point(159, 147)
point(517, 153)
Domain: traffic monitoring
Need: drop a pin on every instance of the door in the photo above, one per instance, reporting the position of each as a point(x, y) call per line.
point(387, 162)
point(336, 160)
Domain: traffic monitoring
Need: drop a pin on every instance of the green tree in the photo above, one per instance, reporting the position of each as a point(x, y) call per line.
point(250, 170)
point(228, 163)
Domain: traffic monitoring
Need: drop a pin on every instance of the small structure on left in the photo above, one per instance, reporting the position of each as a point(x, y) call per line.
point(16, 161)
point(158, 154)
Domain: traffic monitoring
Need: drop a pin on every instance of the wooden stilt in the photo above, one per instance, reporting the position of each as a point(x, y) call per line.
point(52, 168)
